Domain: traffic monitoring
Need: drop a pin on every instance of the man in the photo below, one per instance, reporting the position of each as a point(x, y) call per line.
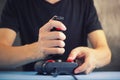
point(33, 19)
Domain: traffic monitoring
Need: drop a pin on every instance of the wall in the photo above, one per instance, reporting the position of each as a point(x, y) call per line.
point(109, 15)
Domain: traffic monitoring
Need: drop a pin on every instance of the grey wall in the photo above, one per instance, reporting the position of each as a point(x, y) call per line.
point(109, 15)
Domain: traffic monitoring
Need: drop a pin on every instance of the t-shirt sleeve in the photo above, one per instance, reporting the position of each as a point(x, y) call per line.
point(8, 17)
point(92, 22)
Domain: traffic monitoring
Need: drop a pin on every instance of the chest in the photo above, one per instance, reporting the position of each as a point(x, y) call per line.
point(40, 13)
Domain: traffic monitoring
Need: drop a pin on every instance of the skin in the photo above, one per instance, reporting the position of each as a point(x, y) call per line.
point(96, 57)
point(52, 1)
point(31, 52)
point(12, 56)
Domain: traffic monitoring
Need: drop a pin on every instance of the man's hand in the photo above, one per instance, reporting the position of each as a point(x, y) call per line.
point(31, 52)
point(96, 57)
point(91, 58)
point(48, 40)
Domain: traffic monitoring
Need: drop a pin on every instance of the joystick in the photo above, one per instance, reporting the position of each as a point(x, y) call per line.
point(55, 67)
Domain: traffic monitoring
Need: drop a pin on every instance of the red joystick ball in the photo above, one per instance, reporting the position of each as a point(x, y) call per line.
point(58, 29)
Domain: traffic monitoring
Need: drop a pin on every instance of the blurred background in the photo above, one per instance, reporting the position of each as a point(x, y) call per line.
point(109, 15)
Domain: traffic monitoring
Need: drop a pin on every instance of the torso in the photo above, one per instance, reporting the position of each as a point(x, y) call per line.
point(35, 16)
point(32, 14)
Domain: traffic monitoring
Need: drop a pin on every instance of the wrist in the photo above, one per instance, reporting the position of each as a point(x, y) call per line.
point(102, 56)
point(36, 52)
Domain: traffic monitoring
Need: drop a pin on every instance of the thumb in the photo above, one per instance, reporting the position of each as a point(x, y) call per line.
point(53, 24)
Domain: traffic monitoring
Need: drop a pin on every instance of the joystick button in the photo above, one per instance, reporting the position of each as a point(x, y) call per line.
point(50, 60)
point(59, 60)
point(70, 60)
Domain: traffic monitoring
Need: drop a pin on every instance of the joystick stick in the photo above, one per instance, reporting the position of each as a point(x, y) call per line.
point(56, 56)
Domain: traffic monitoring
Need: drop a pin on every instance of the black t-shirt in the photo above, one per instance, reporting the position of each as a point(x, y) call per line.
point(27, 16)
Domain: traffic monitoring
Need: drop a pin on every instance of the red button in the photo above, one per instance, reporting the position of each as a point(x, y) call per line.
point(50, 60)
point(70, 60)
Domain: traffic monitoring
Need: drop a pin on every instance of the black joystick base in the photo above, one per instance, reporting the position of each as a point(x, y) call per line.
point(52, 67)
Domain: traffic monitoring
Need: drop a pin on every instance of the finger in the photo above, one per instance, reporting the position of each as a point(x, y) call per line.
point(54, 43)
point(51, 24)
point(72, 55)
point(75, 53)
point(81, 68)
point(53, 35)
point(54, 50)
point(57, 24)
point(90, 69)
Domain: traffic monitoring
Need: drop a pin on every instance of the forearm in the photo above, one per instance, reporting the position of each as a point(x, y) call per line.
point(47, 41)
point(102, 56)
point(18, 56)
point(102, 51)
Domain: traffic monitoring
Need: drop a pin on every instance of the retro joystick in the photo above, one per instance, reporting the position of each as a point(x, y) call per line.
point(56, 67)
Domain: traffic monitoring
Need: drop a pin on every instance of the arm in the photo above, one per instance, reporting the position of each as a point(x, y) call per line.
point(17, 56)
point(99, 43)
point(14, 56)
point(95, 57)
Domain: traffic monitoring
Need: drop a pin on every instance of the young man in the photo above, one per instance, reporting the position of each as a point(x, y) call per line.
point(33, 19)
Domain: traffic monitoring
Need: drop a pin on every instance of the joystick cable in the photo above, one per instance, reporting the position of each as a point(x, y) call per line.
point(75, 78)
point(55, 74)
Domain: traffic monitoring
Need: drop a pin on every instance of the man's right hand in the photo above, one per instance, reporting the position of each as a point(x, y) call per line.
point(48, 40)
point(46, 44)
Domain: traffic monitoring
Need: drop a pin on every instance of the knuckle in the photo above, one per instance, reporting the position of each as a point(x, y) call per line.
point(45, 51)
point(61, 43)
point(60, 50)
point(41, 29)
point(61, 36)
point(42, 36)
